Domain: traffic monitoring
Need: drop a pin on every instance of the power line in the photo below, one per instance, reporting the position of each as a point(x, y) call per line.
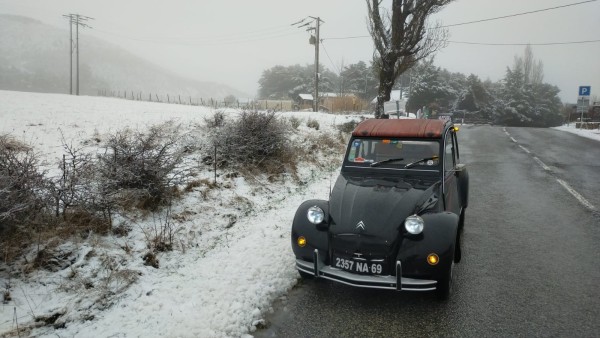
point(258, 35)
point(259, 31)
point(331, 61)
point(525, 44)
point(271, 36)
point(493, 44)
point(517, 14)
point(478, 21)
point(348, 37)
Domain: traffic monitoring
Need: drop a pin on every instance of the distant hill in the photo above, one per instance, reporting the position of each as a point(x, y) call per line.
point(35, 57)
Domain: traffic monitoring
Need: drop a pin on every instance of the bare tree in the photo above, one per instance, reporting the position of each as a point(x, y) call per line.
point(533, 71)
point(402, 38)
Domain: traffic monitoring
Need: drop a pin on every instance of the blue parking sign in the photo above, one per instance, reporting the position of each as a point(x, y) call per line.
point(585, 90)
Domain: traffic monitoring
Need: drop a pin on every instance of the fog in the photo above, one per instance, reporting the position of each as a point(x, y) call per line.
point(232, 42)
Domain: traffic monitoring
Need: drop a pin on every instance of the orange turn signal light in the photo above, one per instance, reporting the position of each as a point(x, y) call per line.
point(301, 241)
point(433, 259)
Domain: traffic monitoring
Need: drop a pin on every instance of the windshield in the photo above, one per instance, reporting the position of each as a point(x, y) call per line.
point(393, 153)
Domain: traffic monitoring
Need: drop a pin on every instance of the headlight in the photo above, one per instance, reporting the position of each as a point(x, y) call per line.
point(414, 224)
point(315, 215)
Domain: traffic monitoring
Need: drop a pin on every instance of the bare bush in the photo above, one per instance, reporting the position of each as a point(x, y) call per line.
point(255, 141)
point(216, 120)
point(145, 165)
point(23, 188)
point(347, 127)
point(295, 122)
point(312, 123)
point(76, 188)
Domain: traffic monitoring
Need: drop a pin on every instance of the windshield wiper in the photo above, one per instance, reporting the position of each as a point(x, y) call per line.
point(412, 164)
point(376, 164)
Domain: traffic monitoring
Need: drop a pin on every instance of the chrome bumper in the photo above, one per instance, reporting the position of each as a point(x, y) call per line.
point(320, 270)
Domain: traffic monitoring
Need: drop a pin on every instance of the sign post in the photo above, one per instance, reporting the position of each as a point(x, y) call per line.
point(583, 100)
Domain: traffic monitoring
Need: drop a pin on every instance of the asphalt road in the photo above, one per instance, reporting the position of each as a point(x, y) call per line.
point(530, 259)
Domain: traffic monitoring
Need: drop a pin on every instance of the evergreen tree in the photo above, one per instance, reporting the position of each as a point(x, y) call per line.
point(524, 99)
point(433, 88)
point(282, 83)
point(475, 100)
point(360, 80)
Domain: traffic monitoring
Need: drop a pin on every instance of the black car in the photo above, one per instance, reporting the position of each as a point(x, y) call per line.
point(395, 215)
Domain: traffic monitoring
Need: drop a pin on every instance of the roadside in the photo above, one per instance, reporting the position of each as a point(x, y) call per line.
point(593, 134)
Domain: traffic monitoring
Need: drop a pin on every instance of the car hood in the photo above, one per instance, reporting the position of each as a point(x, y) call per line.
point(366, 212)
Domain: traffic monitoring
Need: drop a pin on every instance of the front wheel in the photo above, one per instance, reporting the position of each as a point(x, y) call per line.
point(461, 219)
point(458, 246)
point(444, 284)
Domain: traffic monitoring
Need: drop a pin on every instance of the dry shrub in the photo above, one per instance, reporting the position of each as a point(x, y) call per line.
point(295, 122)
point(347, 127)
point(256, 142)
point(24, 197)
point(322, 149)
point(314, 124)
point(23, 188)
point(143, 164)
point(217, 120)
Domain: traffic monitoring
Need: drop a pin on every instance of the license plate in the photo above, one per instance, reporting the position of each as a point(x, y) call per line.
point(360, 266)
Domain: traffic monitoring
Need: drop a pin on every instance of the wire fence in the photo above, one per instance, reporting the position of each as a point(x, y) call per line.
point(328, 104)
point(247, 104)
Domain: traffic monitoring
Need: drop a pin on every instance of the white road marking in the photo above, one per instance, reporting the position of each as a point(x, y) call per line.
point(564, 184)
point(525, 149)
point(542, 164)
point(577, 195)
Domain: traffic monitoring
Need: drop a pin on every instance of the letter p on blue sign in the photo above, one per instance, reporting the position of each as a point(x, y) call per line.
point(585, 90)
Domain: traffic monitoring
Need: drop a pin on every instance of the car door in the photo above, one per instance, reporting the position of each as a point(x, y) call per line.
point(451, 197)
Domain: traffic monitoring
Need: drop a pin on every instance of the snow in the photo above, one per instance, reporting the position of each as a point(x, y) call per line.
point(593, 134)
point(234, 257)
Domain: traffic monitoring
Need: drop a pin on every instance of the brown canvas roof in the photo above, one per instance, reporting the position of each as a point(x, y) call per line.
point(400, 128)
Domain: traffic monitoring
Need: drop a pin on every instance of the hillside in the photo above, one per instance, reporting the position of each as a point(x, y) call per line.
point(34, 57)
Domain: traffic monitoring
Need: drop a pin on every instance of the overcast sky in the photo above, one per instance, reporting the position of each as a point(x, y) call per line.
point(232, 42)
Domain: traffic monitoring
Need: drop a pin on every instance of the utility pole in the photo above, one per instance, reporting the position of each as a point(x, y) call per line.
point(314, 40)
point(77, 20)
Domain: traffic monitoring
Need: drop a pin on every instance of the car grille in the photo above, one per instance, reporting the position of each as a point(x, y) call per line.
point(367, 246)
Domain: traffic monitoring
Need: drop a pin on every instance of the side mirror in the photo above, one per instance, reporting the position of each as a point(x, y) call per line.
point(460, 167)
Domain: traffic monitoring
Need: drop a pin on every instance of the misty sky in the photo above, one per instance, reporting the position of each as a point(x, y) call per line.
point(232, 42)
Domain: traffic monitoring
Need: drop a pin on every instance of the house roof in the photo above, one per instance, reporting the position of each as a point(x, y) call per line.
point(418, 128)
point(306, 96)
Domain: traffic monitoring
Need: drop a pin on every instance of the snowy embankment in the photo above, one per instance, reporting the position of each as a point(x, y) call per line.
point(233, 259)
point(593, 134)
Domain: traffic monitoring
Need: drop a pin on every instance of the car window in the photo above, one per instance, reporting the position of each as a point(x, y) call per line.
point(449, 153)
point(370, 150)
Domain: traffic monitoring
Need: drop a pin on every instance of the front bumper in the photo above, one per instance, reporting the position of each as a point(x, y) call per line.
point(399, 283)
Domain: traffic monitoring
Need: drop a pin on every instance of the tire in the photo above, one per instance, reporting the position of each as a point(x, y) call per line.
point(444, 284)
point(458, 246)
point(461, 219)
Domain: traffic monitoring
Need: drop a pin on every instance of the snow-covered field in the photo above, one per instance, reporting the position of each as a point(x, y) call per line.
point(234, 257)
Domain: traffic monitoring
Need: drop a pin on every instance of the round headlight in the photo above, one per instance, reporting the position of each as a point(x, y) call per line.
point(315, 215)
point(414, 224)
